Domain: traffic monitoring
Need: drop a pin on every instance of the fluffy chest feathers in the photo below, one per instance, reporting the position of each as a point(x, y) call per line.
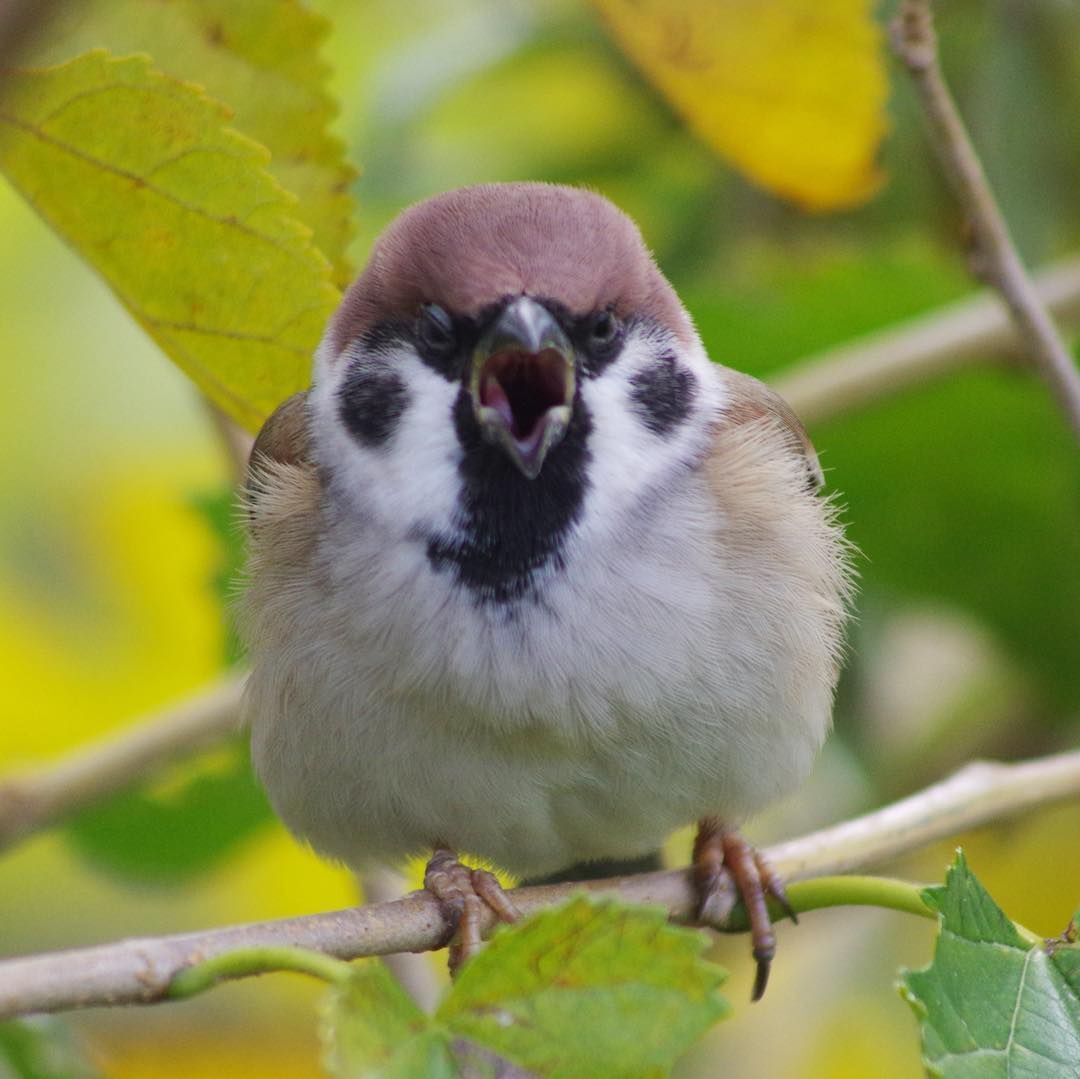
point(672, 655)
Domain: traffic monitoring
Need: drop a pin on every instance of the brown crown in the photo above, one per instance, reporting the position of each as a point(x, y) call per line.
point(470, 248)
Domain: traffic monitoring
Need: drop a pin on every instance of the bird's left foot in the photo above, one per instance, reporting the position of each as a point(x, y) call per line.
point(463, 892)
point(717, 849)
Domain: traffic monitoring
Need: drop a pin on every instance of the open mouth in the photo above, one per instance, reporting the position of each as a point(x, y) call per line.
point(523, 389)
point(522, 383)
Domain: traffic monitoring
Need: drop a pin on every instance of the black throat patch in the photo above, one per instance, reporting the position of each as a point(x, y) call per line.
point(510, 526)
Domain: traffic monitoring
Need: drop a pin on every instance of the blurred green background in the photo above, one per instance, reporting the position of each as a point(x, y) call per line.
point(962, 496)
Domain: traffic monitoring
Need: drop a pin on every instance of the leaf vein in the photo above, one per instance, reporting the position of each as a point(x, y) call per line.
point(229, 220)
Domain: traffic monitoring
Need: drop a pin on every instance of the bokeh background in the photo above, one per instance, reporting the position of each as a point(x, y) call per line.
point(117, 542)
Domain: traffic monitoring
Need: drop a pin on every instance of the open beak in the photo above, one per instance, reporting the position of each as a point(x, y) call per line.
point(522, 383)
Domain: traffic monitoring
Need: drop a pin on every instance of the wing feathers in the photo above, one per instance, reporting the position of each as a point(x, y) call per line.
point(751, 400)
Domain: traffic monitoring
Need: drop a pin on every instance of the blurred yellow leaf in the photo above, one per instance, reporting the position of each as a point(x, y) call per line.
point(261, 58)
point(106, 607)
point(791, 91)
point(142, 176)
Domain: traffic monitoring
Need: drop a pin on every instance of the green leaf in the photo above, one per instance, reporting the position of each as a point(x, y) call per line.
point(1067, 960)
point(185, 823)
point(588, 988)
point(40, 1048)
point(371, 1028)
point(990, 1004)
point(141, 175)
point(261, 58)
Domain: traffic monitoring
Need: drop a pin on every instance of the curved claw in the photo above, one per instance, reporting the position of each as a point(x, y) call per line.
point(761, 976)
point(462, 892)
point(717, 849)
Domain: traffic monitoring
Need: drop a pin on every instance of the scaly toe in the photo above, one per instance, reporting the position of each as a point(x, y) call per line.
point(721, 852)
point(462, 893)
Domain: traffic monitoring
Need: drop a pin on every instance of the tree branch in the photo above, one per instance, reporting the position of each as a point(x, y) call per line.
point(34, 800)
point(915, 43)
point(142, 971)
point(948, 339)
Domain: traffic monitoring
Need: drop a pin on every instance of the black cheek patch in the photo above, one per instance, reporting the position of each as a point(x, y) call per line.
point(663, 394)
point(371, 403)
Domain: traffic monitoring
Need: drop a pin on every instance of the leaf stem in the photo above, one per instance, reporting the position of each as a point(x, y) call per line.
point(858, 891)
point(247, 961)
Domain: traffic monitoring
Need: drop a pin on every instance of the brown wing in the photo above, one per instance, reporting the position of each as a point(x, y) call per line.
point(282, 445)
point(282, 492)
point(781, 543)
point(283, 497)
point(751, 400)
point(284, 437)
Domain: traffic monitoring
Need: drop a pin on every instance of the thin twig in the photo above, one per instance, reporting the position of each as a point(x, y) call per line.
point(34, 800)
point(413, 971)
point(948, 339)
point(141, 971)
point(999, 264)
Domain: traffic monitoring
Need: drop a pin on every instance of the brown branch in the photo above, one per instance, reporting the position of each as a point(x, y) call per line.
point(915, 43)
point(140, 971)
point(938, 343)
point(37, 799)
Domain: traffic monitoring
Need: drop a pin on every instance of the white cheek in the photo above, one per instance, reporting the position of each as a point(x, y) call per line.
point(410, 482)
point(626, 458)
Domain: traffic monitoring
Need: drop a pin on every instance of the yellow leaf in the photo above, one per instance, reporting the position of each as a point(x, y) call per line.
point(261, 58)
point(112, 615)
point(141, 175)
point(791, 91)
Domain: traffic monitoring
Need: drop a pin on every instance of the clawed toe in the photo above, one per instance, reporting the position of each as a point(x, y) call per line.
point(463, 892)
point(718, 849)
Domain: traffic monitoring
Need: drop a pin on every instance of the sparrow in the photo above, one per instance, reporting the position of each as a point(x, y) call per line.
point(530, 576)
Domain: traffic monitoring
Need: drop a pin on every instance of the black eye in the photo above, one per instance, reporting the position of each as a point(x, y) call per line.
point(605, 333)
point(435, 332)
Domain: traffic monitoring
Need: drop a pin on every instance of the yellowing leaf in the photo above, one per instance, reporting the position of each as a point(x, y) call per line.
point(108, 615)
point(588, 988)
point(261, 58)
point(141, 175)
point(372, 1028)
point(791, 91)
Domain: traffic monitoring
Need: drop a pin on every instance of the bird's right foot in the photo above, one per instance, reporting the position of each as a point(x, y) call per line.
point(462, 892)
point(719, 849)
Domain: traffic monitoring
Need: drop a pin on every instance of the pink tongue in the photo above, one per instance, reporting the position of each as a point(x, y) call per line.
point(493, 396)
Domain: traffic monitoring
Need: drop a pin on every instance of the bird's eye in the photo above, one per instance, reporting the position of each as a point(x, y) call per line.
point(605, 332)
point(435, 332)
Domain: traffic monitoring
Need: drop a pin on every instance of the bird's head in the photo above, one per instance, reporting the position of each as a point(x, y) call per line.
point(510, 353)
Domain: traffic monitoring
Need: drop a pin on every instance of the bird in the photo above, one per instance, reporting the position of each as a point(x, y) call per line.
point(531, 578)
